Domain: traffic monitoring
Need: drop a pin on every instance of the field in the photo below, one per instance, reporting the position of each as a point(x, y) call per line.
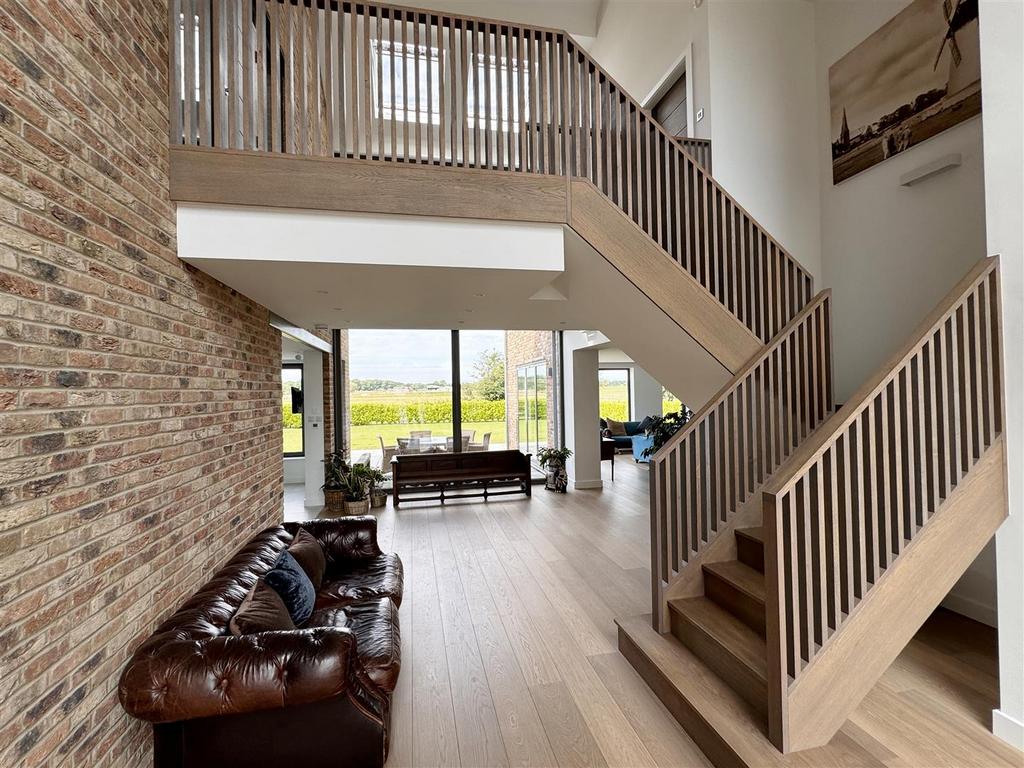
point(365, 436)
point(292, 440)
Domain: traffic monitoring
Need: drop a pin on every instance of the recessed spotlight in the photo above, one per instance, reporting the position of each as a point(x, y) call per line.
point(462, 322)
point(323, 292)
point(338, 309)
point(468, 310)
point(562, 322)
point(479, 295)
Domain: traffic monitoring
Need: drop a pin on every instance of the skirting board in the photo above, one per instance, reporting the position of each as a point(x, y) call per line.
point(972, 609)
point(1008, 729)
point(588, 485)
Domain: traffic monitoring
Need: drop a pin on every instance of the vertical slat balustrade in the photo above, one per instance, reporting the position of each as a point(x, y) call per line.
point(720, 458)
point(374, 82)
point(880, 470)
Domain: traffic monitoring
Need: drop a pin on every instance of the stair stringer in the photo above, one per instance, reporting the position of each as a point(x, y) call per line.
point(883, 623)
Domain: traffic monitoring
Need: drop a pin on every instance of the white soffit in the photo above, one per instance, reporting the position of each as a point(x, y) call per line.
point(207, 232)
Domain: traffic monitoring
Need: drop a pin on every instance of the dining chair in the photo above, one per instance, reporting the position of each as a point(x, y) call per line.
point(418, 433)
point(408, 445)
point(468, 434)
point(482, 446)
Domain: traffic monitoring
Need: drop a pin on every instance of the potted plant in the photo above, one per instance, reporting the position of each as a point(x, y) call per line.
point(356, 489)
point(661, 428)
point(335, 471)
point(378, 495)
point(553, 460)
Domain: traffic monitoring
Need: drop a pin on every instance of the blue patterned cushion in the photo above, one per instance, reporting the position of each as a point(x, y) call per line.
point(293, 585)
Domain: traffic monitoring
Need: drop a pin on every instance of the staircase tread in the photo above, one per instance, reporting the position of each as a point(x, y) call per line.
point(741, 576)
point(723, 709)
point(755, 533)
point(744, 643)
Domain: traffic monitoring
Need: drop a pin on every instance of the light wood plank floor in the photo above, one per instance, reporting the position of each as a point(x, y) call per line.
point(509, 648)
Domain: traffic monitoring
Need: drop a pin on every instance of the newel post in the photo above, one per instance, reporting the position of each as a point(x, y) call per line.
point(775, 618)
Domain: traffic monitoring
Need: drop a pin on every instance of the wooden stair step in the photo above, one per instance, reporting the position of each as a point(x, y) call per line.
point(733, 650)
point(728, 728)
point(739, 589)
point(750, 547)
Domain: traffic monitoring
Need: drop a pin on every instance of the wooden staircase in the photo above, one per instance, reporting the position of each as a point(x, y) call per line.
point(795, 549)
point(831, 537)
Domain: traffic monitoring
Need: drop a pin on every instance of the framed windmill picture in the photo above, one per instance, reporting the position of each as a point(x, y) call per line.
point(912, 79)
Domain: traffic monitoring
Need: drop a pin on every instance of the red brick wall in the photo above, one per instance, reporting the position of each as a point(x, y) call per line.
point(527, 347)
point(140, 439)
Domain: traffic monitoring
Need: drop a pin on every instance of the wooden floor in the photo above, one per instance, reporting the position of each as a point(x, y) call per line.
point(509, 652)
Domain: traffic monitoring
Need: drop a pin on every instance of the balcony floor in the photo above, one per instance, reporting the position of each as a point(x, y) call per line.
point(510, 653)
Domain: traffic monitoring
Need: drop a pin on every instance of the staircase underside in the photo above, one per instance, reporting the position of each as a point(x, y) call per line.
point(229, 177)
point(928, 709)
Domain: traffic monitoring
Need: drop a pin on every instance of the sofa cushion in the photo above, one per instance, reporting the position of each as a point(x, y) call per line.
point(378, 642)
point(293, 585)
point(351, 581)
point(310, 555)
point(617, 428)
point(262, 610)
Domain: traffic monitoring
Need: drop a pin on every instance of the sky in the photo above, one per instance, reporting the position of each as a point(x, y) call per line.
point(416, 357)
point(890, 67)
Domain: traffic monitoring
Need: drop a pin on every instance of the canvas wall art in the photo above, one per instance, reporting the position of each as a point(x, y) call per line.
point(912, 79)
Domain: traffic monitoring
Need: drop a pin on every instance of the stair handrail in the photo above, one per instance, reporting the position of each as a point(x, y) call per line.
point(567, 116)
point(776, 400)
point(840, 512)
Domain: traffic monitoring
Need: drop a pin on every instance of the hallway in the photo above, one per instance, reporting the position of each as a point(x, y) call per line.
point(509, 652)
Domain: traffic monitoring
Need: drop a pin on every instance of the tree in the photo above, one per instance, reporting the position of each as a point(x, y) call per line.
point(490, 373)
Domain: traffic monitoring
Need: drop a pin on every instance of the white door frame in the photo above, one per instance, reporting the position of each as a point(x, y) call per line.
point(681, 65)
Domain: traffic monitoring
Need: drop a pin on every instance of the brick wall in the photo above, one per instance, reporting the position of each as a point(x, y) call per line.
point(329, 419)
point(527, 347)
point(140, 434)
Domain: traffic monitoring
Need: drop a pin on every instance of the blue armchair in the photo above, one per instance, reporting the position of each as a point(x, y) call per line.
point(640, 443)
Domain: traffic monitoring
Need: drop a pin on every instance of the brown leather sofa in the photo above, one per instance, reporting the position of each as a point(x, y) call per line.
point(316, 696)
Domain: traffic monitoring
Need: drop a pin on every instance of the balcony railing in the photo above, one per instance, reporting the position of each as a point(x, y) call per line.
point(381, 83)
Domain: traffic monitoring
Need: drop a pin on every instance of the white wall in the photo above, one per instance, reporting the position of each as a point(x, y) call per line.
point(891, 253)
point(308, 469)
point(764, 133)
point(1002, 77)
point(581, 417)
point(639, 41)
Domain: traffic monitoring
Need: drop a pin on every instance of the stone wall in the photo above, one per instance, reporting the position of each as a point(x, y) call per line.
point(140, 426)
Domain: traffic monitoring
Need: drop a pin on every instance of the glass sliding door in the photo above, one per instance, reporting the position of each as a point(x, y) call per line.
point(533, 425)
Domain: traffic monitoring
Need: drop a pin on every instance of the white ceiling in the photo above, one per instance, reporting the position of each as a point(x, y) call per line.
point(578, 17)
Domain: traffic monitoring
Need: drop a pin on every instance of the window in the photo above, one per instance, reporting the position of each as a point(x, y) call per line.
point(292, 409)
point(614, 393)
point(401, 391)
point(396, 64)
point(482, 389)
point(494, 72)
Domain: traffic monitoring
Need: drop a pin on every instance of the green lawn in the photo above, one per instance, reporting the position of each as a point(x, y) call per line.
point(364, 438)
point(292, 440)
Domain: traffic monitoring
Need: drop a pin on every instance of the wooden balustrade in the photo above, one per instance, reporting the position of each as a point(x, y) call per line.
point(840, 514)
point(375, 82)
point(719, 460)
point(700, 150)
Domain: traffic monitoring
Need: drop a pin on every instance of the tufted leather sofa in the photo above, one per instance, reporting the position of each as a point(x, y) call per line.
point(316, 696)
